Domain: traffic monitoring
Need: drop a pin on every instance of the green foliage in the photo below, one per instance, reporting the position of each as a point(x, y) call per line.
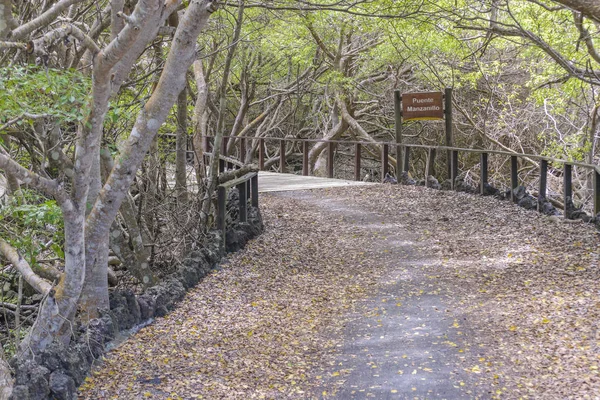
point(30, 222)
point(61, 93)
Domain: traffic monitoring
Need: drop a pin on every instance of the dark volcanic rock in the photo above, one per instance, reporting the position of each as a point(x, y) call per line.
point(461, 186)
point(390, 179)
point(34, 379)
point(519, 193)
point(58, 371)
point(124, 309)
point(489, 190)
point(433, 183)
point(62, 386)
point(573, 212)
point(406, 179)
point(546, 208)
point(528, 202)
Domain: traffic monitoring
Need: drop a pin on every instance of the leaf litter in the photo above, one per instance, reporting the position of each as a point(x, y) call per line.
point(270, 321)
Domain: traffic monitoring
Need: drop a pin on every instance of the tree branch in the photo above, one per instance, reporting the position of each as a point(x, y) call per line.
point(38, 46)
point(50, 188)
point(13, 256)
point(43, 20)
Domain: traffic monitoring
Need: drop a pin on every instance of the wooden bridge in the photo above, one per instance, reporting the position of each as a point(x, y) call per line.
point(243, 155)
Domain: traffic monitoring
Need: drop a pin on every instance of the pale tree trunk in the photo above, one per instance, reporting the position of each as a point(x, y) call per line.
point(592, 144)
point(150, 118)
point(317, 156)
point(95, 292)
point(135, 259)
point(86, 239)
point(200, 120)
point(151, 181)
point(181, 149)
point(94, 296)
point(213, 177)
point(590, 8)
point(13, 186)
point(6, 380)
point(247, 92)
point(116, 22)
point(7, 21)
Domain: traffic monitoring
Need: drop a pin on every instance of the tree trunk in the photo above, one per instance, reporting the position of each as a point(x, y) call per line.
point(87, 239)
point(61, 301)
point(6, 380)
point(181, 149)
point(200, 119)
point(214, 163)
point(95, 288)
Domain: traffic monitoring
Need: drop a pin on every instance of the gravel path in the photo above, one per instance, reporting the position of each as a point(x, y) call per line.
point(380, 292)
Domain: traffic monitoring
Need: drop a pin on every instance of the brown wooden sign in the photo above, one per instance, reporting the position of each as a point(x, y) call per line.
point(420, 106)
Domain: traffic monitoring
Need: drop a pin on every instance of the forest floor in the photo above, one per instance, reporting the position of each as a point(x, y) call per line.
point(380, 292)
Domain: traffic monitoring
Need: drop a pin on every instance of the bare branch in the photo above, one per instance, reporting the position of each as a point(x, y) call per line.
point(49, 187)
point(13, 45)
point(44, 19)
point(39, 46)
point(586, 37)
point(13, 256)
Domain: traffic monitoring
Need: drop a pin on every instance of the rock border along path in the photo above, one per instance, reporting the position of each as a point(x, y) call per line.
point(382, 292)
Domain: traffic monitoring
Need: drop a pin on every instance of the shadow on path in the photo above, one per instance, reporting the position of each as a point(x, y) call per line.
point(404, 343)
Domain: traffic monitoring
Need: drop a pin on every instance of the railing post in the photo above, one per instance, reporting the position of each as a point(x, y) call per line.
point(207, 149)
point(406, 159)
point(484, 172)
point(248, 185)
point(398, 123)
point(384, 161)
point(224, 143)
point(222, 163)
point(254, 191)
point(357, 161)
point(305, 158)
point(261, 154)
point(453, 167)
point(449, 132)
point(330, 159)
point(568, 186)
point(596, 192)
point(243, 150)
point(514, 177)
point(243, 204)
point(430, 170)
point(221, 206)
point(543, 183)
point(282, 156)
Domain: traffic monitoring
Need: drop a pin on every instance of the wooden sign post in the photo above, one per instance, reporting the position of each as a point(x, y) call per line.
point(422, 107)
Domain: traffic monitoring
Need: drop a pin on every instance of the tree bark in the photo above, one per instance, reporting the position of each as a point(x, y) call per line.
point(7, 21)
point(181, 149)
point(23, 267)
point(6, 380)
point(86, 239)
point(214, 163)
point(589, 8)
point(199, 120)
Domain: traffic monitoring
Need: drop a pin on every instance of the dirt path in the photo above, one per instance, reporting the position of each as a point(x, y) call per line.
point(380, 292)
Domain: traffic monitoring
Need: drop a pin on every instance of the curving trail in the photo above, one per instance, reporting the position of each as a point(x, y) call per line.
point(384, 292)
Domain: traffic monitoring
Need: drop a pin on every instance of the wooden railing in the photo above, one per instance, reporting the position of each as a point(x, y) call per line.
point(432, 151)
point(247, 186)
